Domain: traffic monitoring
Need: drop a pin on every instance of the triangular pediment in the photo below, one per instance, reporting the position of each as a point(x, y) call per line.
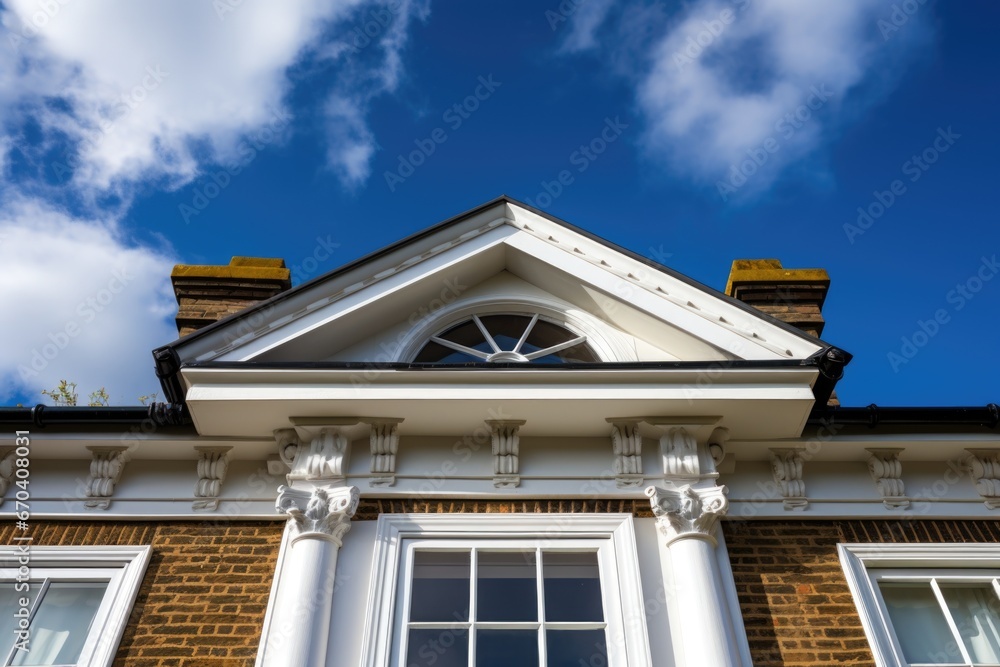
point(501, 257)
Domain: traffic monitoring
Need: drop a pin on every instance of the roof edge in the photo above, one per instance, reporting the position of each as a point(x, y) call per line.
point(724, 364)
point(874, 416)
point(40, 416)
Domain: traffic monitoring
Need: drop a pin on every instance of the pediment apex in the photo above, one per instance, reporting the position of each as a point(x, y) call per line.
point(500, 236)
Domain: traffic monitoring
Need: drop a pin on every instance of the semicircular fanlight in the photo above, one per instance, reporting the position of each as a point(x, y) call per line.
point(506, 338)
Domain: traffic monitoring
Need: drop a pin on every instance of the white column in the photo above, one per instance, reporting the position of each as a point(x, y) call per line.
point(300, 616)
point(687, 517)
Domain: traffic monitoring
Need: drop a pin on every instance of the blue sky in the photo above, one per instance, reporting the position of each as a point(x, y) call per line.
point(732, 129)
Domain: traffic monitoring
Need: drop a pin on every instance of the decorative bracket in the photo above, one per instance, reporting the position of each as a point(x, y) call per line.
point(213, 462)
point(689, 446)
point(326, 456)
point(505, 452)
point(680, 454)
point(626, 445)
point(886, 470)
point(688, 512)
point(106, 468)
point(319, 513)
point(786, 466)
point(384, 443)
point(984, 468)
point(288, 448)
point(717, 450)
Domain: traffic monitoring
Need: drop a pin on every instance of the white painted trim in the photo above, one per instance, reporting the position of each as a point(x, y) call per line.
point(322, 309)
point(859, 560)
point(732, 597)
point(393, 529)
point(273, 595)
point(334, 288)
point(716, 322)
point(125, 565)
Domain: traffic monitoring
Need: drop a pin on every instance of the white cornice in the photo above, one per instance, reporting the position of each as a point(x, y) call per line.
point(758, 402)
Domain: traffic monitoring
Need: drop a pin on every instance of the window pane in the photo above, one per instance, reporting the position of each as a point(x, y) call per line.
point(62, 623)
point(572, 648)
point(507, 648)
point(919, 624)
point(507, 590)
point(572, 587)
point(506, 330)
point(577, 353)
point(545, 334)
point(467, 334)
point(975, 611)
point(440, 586)
point(441, 648)
point(10, 604)
point(439, 354)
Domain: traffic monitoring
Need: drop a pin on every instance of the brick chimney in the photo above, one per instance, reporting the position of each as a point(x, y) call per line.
point(206, 294)
point(794, 296)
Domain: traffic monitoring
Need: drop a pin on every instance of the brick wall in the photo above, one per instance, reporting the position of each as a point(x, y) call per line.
point(203, 597)
point(796, 605)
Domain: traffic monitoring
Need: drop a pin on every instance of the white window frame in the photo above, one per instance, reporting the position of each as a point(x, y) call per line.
point(624, 608)
point(866, 564)
point(122, 567)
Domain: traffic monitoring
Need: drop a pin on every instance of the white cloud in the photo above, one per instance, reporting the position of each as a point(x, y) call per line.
point(724, 81)
point(155, 90)
point(350, 144)
point(384, 30)
point(80, 303)
point(588, 16)
point(107, 96)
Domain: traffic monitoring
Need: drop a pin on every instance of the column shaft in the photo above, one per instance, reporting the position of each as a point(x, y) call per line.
point(706, 625)
point(687, 517)
point(299, 618)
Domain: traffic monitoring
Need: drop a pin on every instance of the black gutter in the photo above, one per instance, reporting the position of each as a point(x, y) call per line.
point(831, 363)
point(874, 416)
point(173, 414)
point(167, 366)
point(40, 416)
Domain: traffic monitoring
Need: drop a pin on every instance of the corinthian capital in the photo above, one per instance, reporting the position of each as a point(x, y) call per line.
point(687, 512)
point(319, 513)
